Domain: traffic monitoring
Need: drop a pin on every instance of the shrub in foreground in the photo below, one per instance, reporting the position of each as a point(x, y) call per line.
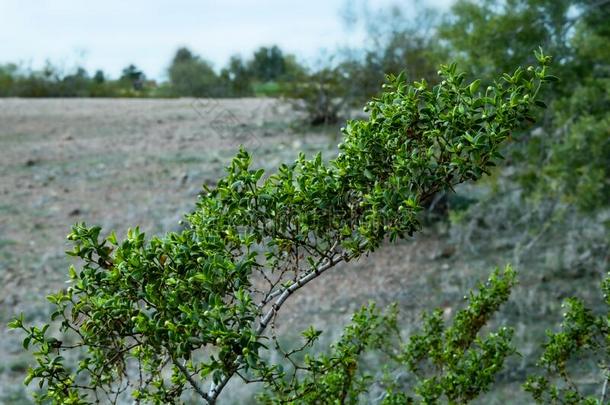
point(153, 318)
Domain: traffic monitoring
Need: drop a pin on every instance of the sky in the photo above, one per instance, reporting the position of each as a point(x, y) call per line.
point(111, 34)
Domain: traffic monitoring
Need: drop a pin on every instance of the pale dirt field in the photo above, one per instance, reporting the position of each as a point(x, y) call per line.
point(125, 162)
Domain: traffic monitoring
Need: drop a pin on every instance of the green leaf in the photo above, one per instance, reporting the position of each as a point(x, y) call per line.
point(540, 103)
point(551, 78)
point(16, 323)
point(474, 86)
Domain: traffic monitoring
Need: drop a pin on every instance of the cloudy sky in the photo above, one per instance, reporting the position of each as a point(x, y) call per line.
point(111, 34)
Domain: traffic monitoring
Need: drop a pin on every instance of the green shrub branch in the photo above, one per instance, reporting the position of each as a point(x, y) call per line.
point(153, 318)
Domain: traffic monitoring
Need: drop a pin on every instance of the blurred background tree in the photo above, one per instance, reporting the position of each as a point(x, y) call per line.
point(189, 75)
point(268, 64)
point(568, 153)
point(134, 77)
point(237, 78)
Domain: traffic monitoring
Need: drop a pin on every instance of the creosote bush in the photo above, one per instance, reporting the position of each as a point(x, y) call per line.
point(450, 362)
point(583, 334)
point(191, 310)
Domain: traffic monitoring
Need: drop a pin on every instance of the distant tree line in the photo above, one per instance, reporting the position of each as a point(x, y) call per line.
point(269, 71)
point(189, 75)
point(51, 82)
point(265, 73)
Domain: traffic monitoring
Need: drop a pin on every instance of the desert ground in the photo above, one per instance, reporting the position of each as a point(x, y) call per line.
point(122, 163)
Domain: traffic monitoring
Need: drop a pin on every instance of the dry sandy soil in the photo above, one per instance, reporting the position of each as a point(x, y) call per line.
point(121, 163)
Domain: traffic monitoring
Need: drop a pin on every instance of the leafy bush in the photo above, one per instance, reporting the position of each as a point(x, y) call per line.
point(453, 363)
point(320, 96)
point(153, 318)
point(567, 155)
point(583, 334)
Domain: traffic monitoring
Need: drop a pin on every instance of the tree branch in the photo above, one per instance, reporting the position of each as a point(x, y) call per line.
point(296, 286)
point(215, 390)
point(189, 378)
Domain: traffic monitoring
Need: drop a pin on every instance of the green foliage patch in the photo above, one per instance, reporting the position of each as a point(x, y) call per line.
point(153, 318)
